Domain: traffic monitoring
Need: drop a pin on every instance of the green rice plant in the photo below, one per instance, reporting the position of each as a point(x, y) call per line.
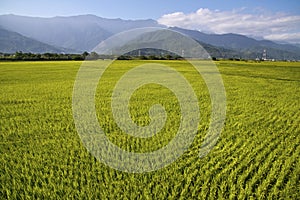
point(257, 155)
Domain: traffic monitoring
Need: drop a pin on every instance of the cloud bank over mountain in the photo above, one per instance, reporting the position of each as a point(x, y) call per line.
point(272, 26)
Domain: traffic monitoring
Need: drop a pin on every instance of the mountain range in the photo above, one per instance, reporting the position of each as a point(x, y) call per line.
point(76, 34)
point(11, 42)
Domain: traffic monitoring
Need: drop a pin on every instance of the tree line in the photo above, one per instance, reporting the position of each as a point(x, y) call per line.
point(21, 56)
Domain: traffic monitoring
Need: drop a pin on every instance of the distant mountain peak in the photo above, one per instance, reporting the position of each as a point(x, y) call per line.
point(80, 32)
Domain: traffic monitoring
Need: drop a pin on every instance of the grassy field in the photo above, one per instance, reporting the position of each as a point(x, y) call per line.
point(257, 155)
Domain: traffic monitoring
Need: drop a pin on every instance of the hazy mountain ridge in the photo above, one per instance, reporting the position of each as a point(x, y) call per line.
point(84, 32)
point(10, 42)
point(176, 42)
point(245, 46)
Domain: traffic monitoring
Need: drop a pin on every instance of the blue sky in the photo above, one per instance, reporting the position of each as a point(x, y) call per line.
point(268, 19)
point(138, 9)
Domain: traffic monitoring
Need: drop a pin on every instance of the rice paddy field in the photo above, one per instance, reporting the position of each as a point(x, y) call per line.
point(256, 157)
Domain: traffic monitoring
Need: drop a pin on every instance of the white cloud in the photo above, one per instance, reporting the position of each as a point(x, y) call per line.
point(292, 37)
point(272, 26)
